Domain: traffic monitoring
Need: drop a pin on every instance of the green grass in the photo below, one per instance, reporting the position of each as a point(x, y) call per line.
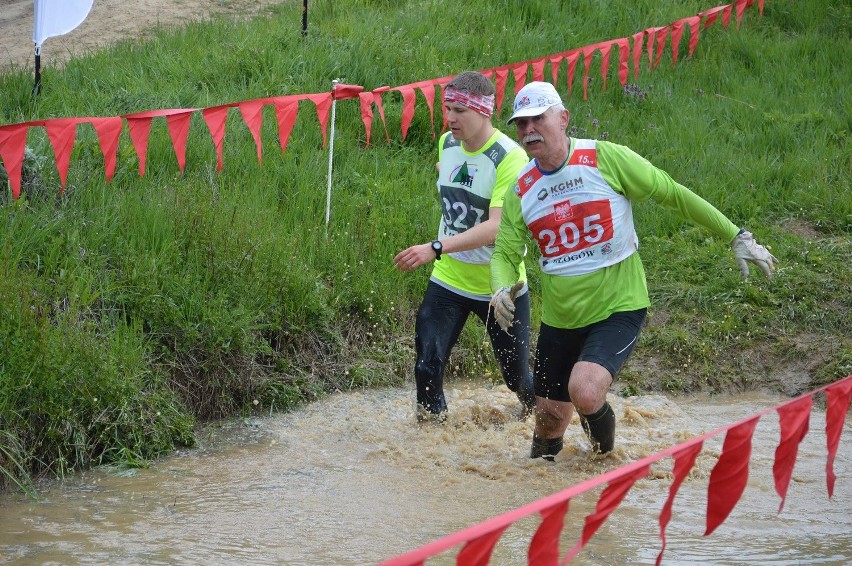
point(131, 310)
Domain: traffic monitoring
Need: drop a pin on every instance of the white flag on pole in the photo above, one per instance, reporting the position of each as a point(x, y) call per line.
point(58, 17)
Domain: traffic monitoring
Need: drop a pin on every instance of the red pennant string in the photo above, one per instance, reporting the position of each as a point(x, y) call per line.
point(727, 481)
point(323, 104)
point(178, 125)
point(610, 498)
point(477, 552)
point(572, 66)
point(215, 119)
point(554, 68)
point(428, 90)
point(62, 132)
point(140, 129)
point(538, 69)
point(519, 72)
point(638, 39)
point(342, 91)
point(793, 418)
point(139, 124)
point(365, 99)
point(684, 460)
point(13, 142)
point(407, 108)
point(286, 110)
point(730, 474)
point(108, 131)
point(252, 113)
point(838, 397)
point(544, 547)
point(502, 75)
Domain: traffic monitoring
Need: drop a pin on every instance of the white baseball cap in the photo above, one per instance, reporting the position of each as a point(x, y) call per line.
point(534, 99)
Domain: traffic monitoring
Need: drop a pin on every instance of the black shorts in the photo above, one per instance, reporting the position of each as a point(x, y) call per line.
point(607, 343)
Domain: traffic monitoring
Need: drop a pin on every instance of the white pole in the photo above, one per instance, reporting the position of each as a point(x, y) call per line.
point(330, 159)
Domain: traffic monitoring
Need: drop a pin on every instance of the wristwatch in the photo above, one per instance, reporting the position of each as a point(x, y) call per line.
point(437, 248)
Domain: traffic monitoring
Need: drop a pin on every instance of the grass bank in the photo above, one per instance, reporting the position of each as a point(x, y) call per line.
point(130, 311)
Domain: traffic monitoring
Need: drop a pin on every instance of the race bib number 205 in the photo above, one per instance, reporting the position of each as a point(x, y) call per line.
point(570, 228)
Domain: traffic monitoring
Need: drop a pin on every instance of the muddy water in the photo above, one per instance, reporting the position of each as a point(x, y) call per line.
point(354, 480)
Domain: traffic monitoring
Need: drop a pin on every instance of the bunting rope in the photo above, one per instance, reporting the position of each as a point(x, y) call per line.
point(62, 132)
point(727, 482)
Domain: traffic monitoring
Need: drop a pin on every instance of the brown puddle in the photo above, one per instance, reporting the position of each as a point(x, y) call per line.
point(353, 479)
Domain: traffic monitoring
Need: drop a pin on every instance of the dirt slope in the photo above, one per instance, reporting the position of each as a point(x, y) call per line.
point(109, 21)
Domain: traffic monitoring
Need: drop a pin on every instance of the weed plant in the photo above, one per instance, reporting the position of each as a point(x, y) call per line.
point(134, 309)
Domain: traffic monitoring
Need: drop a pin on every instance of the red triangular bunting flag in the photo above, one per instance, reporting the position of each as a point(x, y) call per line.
point(286, 110)
point(252, 113)
point(538, 69)
point(677, 33)
point(694, 27)
point(365, 100)
point(108, 131)
point(477, 552)
point(610, 498)
point(652, 41)
point(13, 142)
point(215, 119)
point(684, 460)
point(323, 104)
point(623, 59)
point(178, 125)
point(407, 93)
point(342, 91)
point(520, 74)
point(62, 132)
point(726, 15)
point(662, 33)
point(544, 546)
point(712, 14)
point(377, 98)
point(730, 474)
point(838, 398)
point(554, 69)
point(793, 418)
point(140, 129)
point(605, 51)
point(741, 5)
point(502, 75)
point(588, 51)
point(572, 66)
point(638, 39)
point(428, 90)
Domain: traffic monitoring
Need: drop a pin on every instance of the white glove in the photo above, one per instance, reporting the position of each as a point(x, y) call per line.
point(503, 303)
point(746, 249)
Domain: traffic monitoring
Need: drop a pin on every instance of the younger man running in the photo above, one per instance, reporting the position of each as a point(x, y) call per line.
point(476, 164)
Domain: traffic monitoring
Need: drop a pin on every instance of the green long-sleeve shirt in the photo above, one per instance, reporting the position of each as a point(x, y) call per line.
point(580, 300)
